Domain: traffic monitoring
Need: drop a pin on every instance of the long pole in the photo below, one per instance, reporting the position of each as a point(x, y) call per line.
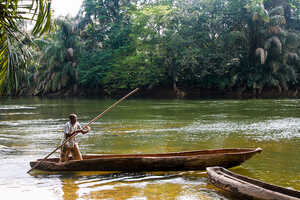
point(88, 124)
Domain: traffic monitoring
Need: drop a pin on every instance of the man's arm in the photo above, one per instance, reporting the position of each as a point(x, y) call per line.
point(84, 131)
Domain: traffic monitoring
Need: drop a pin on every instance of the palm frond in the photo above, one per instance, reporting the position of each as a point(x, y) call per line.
point(12, 13)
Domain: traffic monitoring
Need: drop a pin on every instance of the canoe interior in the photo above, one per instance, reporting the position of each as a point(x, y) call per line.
point(174, 154)
point(226, 173)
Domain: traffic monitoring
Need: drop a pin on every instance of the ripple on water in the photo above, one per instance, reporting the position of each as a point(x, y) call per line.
point(135, 185)
point(32, 122)
point(34, 132)
point(32, 193)
point(16, 107)
point(274, 129)
point(18, 113)
point(277, 129)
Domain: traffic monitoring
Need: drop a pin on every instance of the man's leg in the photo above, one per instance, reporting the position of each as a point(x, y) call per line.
point(64, 154)
point(76, 153)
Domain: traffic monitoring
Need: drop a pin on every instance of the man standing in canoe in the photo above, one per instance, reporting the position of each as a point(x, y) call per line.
point(71, 146)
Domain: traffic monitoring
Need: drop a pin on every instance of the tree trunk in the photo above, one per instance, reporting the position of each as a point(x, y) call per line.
point(179, 93)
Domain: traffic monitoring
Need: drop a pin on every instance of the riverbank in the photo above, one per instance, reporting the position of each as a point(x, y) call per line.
point(191, 93)
point(182, 93)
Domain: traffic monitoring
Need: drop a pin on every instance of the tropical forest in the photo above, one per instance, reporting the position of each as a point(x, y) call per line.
point(168, 48)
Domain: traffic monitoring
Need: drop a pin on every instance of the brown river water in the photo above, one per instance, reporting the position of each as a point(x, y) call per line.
point(30, 128)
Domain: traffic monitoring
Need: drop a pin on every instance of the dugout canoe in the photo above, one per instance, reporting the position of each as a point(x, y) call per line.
point(248, 188)
point(177, 161)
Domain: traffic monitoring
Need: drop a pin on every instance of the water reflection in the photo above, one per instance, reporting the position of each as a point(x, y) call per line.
point(151, 186)
point(69, 188)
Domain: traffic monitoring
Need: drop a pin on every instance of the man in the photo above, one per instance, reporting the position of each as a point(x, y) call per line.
point(71, 146)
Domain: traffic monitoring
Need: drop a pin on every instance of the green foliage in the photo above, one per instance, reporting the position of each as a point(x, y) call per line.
point(12, 13)
point(132, 72)
point(16, 72)
point(92, 68)
point(212, 44)
point(58, 62)
point(258, 11)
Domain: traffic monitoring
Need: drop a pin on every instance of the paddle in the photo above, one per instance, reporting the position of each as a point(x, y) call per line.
point(93, 120)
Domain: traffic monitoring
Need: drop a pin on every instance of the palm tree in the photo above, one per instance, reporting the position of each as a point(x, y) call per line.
point(16, 74)
point(58, 62)
point(12, 12)
point(277, 53)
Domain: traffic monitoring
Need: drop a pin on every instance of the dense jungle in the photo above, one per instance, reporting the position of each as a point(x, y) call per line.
point(169, 48)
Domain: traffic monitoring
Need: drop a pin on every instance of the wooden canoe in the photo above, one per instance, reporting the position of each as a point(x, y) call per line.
point(177, 161)
point(248, 188)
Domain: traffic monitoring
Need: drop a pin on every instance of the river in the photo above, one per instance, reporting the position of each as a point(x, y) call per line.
point(30, 128)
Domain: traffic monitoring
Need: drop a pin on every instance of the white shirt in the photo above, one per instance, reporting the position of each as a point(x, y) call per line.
point(70, 128)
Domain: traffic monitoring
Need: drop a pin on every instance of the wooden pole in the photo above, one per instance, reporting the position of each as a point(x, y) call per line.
point(88, 124)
